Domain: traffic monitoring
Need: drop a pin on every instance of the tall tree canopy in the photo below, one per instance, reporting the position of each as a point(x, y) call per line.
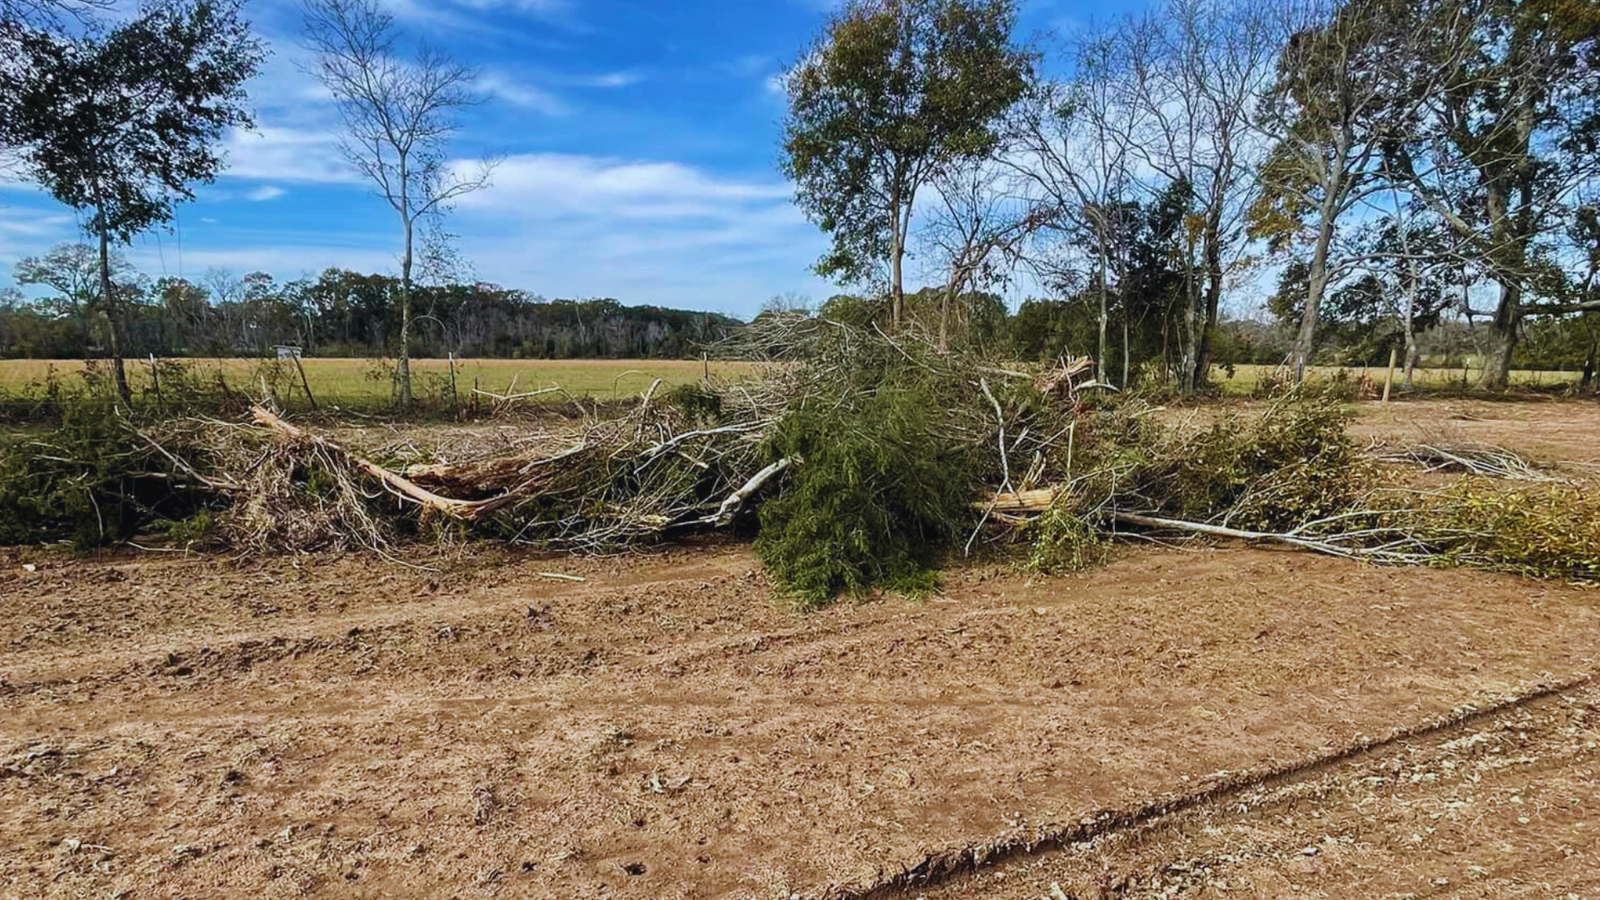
point(123, 125)
point(1511, 138)
point(893, 91)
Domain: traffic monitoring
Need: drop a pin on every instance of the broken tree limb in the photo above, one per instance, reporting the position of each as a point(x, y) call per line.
point(461, 509)
point(216, 484)
point(730, 507)
point(1037, 500)
point(1328, 546)
point(467, 510)
point(1477, 459)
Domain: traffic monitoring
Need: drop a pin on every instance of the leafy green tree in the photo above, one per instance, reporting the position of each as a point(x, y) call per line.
point(893, 91)
point(1331, 114)
point(1511, 137)
point(122, 126)
point(73, 271)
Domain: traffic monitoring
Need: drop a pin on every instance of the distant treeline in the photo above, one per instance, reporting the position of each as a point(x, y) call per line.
point(340, 313)
point(348, 314)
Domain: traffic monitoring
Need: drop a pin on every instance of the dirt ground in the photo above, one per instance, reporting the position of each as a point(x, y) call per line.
point(338, 726)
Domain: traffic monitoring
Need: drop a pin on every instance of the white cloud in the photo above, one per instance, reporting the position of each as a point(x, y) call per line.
point(466, 15)
point(31, 224)
point(533, 7)
point(520, 94)
point(646, 231)
point(613, 80)
point(296, 155)
point(531, 183)
point(265, 192)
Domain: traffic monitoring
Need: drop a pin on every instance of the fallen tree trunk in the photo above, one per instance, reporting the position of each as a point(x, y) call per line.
point(466, 510)
point(491, 476)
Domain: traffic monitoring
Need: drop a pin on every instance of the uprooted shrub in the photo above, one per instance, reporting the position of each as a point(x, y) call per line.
point(877, 492)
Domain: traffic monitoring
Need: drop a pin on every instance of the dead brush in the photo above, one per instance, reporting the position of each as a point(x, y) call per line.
point(1470, 457)
point(276, 495)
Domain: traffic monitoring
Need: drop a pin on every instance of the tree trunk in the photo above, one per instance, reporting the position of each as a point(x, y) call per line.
point(1316, 286)
point(897, 291)
point(1191, 338)
point(1100, 361)
point(945, 303)
point(1213, 263)
point(1502, 339)
point(1408, 318)
point(108, 298)
point(403, 363)
point(1127, 349)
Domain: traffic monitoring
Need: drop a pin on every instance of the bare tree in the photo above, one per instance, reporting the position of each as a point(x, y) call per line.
point(1197, 73)
point(1073, 152)
point(399, 118)
point(977, 230)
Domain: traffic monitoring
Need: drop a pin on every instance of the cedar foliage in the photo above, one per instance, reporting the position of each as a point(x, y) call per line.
point(878, 492)
point(90, 482)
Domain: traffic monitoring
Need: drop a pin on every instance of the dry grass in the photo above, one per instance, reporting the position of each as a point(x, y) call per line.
point(1246, 378)
point(365, 382)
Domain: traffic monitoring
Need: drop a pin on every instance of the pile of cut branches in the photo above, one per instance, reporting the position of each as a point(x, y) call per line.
point(860, 461)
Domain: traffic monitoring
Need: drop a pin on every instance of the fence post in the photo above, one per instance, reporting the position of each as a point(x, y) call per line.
point(455, 399)
point(304, 382)
point(1388, 379)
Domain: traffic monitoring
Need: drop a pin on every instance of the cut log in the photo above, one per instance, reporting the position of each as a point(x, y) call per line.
point(1019, 501)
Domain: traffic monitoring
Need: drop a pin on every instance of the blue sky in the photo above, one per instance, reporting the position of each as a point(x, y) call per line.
point(639, 142)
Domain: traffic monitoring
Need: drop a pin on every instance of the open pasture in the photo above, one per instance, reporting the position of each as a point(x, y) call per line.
point(367, 383)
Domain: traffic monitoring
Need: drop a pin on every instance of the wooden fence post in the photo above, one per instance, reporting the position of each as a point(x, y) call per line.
point(1388, 379)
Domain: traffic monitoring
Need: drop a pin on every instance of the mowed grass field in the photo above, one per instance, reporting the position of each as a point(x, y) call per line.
point(367, 382)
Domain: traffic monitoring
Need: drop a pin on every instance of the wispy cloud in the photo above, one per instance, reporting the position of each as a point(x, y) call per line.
point(613, 80)
point(265, 192)
point(469, 15)
point(647, 230)
point(520, 94)
point(296, 155)
point(561, 183)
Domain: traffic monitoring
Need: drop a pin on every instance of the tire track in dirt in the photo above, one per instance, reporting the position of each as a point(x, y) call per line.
point(236, 653)
point(942, 867)
point(788, 749)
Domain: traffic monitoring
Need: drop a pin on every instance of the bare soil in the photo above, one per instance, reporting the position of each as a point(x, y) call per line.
point(339, 726)
point(1556, 431)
